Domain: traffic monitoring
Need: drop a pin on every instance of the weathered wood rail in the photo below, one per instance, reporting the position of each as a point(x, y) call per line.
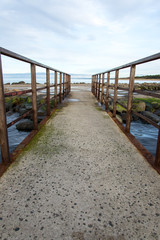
point(98, 89)
point(64, 89)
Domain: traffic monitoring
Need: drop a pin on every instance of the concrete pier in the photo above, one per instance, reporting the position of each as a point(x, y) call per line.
point(80, 179)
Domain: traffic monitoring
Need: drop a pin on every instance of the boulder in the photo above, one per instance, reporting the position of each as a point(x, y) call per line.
point(25, 125)
point(41, 112)
point(151, 116)
point(22, 111)
point(139, 107)
point(157, 112)
point(155, 105)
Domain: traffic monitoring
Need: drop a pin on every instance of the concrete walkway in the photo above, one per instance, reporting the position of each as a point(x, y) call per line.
point(80, 179)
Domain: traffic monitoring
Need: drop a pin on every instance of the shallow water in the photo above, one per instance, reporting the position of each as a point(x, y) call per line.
point(15, 136)
point(146, 134)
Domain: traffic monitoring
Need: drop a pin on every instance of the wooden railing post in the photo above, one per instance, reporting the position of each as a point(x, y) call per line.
point(66, 84)
point(115, 93)
point(55, 89)
point(69, 83)
point(99, 87)
point(96, 85)
point(107, 92)
point(3, 125)
point(130, 98)
point(157, 158)
point(60, 88)
point(48, 91)
point(102, 93)
point(34, 96)
point(63, 85)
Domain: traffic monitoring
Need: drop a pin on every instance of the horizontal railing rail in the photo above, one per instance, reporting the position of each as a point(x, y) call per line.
point(61, 90)
point(100, 89)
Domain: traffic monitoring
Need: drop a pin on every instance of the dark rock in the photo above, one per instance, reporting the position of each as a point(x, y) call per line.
point(155, 105)
point(25, 125)
point(157, 112)
point(41, 113)
point(124, 117)
point(22, 111)
point(8, 106)
point(135, 117)
point(9, 113)
point(151, 116)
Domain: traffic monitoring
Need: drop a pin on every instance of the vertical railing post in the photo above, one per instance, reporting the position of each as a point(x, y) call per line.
point(107, 91)
point(115, 93)
point(130, 98)
point(157, 158)
point(3, 125)
point(63, 84)
point(99, 87)
point(48, 91)
point(60, 88)
point(96, 85)
point(102, 93)
point(93, 84)
point(55, 89)
point(34, 96)
point(66, 85)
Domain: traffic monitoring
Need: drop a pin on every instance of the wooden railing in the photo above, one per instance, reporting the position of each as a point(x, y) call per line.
point(99, 85)
point(64, 89)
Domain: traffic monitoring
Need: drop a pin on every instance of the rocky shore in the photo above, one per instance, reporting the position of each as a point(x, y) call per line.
point(147, 106)
point(23, 104)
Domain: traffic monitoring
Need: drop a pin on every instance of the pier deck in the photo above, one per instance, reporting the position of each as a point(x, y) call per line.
point(80, 179)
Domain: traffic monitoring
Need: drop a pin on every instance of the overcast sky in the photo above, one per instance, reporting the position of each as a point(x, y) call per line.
point(80, 36)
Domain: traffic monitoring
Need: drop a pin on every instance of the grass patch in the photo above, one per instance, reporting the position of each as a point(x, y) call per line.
point(146, 100)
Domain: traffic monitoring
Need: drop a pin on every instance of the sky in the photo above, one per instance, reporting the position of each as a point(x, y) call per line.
point(80, 36)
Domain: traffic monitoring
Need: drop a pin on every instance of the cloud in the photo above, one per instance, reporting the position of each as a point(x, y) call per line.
point(81, 35)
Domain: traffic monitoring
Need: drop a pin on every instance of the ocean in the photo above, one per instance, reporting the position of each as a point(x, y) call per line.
point(75, 78)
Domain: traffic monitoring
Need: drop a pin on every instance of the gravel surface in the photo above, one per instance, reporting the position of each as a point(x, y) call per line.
point(80, 179)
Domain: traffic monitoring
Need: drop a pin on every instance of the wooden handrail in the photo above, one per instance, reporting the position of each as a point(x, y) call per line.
point(24, 59)
point(96, 90)
point(64, 83)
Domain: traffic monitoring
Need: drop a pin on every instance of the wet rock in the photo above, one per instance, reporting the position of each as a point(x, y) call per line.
point(9, 113)
point(135, 117)
point(25, 125)
point(8, 106)
point(155, 105)
point(41, 112)
point(139, 107)
point(157, 112)
point(151, 116)
point(22, 111)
